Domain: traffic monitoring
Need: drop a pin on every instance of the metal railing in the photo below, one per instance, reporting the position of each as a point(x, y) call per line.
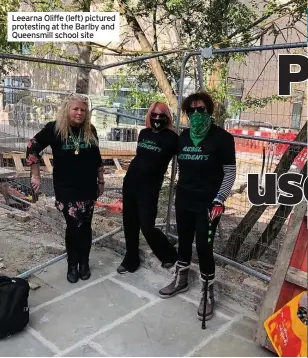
point(14, 138)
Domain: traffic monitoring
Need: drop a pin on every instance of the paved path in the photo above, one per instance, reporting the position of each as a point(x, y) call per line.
point(122, 315)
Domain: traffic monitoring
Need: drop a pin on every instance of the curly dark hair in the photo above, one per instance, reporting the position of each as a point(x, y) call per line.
point(199, 96)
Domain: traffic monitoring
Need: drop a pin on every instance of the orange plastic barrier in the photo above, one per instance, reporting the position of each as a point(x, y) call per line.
point(116, 207)
point(256, 146)
point(250, 145)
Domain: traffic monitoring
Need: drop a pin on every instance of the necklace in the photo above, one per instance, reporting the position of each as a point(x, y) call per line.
point(76, 141)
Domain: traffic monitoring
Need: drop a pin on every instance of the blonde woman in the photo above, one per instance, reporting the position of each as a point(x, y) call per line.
point(77, 176)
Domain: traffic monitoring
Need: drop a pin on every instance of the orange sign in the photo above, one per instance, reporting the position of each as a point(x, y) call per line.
point(286, 331)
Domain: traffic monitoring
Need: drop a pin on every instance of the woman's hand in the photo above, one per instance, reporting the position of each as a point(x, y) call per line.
point(217, 210)
point(35, 182)
point(101, 189)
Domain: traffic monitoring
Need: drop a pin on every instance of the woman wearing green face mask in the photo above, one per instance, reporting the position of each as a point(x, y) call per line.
point(206, 159)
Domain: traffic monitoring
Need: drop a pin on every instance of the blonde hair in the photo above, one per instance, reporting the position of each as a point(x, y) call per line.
point(62, 118)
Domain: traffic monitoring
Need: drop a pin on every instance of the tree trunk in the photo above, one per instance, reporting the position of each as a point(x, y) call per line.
point(272, 229)
point(239, 235)
point(154, 63)
point(213, 82)
point(83, 74)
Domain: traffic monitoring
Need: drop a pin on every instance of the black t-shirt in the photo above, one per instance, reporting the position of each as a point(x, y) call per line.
point(201, 167)
point(74, 176)
point(154, 152)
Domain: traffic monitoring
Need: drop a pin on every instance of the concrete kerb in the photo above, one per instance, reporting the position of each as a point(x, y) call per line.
point(114, 240)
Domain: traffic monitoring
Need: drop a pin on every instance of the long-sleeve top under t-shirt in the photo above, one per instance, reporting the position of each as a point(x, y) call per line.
point(154, 153)
point(74, 176)
point(206, 171)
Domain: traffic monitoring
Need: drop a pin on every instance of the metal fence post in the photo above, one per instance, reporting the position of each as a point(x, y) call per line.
point(200, 73)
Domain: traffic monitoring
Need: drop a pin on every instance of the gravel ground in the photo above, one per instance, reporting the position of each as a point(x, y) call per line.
point(26, 244)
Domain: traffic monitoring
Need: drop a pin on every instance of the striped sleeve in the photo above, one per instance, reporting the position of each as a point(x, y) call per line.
point(227, 183)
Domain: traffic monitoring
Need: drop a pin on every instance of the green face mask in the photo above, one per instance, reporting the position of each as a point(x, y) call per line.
point(199, 126)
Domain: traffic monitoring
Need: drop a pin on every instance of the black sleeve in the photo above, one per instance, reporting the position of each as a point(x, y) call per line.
point(38, 143)
point(227, 150)
point(228, 162)
point(141, 135)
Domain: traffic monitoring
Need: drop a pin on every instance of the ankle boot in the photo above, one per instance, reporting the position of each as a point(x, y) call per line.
point(84, 269)
point(72, 259)
point(209, 303)
point(178, 285)
point(72, 273)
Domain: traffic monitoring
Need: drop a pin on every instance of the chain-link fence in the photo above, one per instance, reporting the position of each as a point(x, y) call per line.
point(244, 85)
point(30, 95)
point(249, 108)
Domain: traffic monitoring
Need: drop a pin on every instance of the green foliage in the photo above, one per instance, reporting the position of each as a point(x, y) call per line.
point(199, 24)
point(9, 47)
point(195, 24)
point(143, 99)
point(5, 7)
point(138, 98)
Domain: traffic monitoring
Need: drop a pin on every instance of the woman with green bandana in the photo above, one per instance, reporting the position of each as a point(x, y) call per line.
point(206, 159)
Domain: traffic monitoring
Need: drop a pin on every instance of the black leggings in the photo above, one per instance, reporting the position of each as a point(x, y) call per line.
point(139, 212)
point(190, 224)
point(78, 240)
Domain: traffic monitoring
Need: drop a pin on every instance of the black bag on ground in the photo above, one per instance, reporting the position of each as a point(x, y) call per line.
point(14, 310)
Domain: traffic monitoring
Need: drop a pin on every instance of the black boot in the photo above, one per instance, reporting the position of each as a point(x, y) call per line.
point(72, 273)
point(84, 254)
point(130, 263)
point(72, 260)
point(84, 270)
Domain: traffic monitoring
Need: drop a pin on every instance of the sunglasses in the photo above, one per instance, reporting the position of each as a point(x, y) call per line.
point(198, 109)
point(158, 115)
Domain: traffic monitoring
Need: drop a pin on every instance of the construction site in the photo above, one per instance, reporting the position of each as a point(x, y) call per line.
point(248, 242)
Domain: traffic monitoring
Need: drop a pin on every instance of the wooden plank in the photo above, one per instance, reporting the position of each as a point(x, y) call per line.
point(297, 277)
point(114, 155)
point(118, 156)
point(18, 163)
point(6, 171)
point(11, 155)
point(47, 163)
point(116, 152)
point(300, 251)
point(289, 290)
point(280, 272)
point(117, 164)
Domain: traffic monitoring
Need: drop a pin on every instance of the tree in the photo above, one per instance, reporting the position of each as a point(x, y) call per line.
point(272, 230)
point(5, 46)
point(196, 24)
point(79, 52)
point(240, 233)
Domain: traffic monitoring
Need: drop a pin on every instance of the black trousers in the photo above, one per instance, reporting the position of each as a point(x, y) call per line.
point(139, 212)
point(189, 225)
point(78, 239)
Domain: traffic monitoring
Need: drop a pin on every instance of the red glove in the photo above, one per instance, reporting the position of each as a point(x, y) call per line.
point(217, 210)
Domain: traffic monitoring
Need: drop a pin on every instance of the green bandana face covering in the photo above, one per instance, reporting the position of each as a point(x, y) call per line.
point(199, 126)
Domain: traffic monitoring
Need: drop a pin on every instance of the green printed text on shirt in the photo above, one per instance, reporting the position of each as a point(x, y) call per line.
point(149, 144)
point(192, 156)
